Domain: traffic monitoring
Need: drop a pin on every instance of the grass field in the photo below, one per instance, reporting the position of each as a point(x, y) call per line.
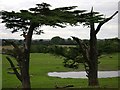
point(41, 64)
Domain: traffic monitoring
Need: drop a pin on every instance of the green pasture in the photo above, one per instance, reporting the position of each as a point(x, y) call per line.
point(41, 64)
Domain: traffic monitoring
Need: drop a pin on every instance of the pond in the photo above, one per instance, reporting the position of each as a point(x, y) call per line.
point(82, 74)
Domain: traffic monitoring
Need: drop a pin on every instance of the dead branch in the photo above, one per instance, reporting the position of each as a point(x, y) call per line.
point(104, 21)
point(14, 69)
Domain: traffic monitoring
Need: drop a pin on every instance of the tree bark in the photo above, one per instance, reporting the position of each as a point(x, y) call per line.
point(25, 63)
point(93, 67)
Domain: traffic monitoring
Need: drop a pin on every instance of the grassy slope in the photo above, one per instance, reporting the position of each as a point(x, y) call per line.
point(41, 64)
point(109, 62)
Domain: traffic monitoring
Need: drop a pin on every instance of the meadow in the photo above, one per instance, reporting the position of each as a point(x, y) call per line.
point(41, 64)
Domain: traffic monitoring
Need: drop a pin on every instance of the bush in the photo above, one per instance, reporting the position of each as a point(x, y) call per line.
point(39, 49)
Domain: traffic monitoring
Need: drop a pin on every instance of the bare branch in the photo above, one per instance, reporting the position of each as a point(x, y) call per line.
point(14, 69)
point(104, 21)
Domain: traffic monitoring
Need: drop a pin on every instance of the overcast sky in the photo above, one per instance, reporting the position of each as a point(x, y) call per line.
point(106, 7)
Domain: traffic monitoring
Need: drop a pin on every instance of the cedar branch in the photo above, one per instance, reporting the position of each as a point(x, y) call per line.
point(85, 54)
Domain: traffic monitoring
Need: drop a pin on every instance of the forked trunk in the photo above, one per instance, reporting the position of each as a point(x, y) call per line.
point(93, 57)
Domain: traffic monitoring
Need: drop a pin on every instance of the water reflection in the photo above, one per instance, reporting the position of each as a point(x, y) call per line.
point(82, 74)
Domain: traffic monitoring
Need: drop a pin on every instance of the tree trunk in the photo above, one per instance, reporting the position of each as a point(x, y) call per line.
point(93, 67)
point(25, 63)
point(25, 76)
point(25, 71)
point(93, 55)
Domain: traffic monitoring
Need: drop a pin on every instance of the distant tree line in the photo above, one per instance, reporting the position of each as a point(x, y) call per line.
point(57, 44)
point(104, 46)
point(109, 45)
point(54, 41)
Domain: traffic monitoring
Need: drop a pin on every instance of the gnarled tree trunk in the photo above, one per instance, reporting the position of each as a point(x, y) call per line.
point(93, 57)
point(25, 63)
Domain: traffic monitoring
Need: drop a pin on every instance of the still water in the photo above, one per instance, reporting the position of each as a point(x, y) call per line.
point(82, 74)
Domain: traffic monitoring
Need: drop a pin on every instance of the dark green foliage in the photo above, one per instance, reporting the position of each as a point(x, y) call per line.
point(39, 49)
point(40, 15)
point(56, 50)
point(103, 45)
point(108, 45)
point(85, 18)
point(57, 40)
point(72, 56)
